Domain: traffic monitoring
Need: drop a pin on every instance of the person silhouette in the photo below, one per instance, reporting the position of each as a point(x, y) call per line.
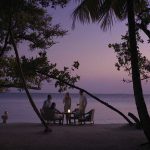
point(47, 102)
point(67, 106)
point(82, 102)
point(67, 102)
point(5, 117)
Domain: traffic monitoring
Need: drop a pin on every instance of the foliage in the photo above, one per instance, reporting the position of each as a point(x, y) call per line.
point(35, 72)
point(31, 25)
point(53, 3)
point(124, 57)
point(123, 52)
point(104, 12)
point(29, 22)
point(143, 21)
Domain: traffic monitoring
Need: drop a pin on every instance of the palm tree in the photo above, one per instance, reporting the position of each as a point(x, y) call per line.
point(106, 12)
point(25, 85)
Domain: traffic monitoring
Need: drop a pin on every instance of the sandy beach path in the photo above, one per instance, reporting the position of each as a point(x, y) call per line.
point(29, 136)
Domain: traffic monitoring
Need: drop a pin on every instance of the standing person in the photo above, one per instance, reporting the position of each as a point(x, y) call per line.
point(5, 117)
point(67, 106)
point(67, 102)
point(82, 102)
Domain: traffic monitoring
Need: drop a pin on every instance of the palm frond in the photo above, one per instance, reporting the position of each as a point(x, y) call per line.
point(105, 12)
point(112, 11)
point(87, 11)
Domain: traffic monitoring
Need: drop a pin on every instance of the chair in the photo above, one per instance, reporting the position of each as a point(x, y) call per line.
point(49, 117)
point(87, 117)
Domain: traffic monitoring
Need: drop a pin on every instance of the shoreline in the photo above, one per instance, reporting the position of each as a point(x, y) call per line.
point(30, 136)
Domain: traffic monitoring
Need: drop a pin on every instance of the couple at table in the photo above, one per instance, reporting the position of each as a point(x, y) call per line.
point(81, 106)
point(49, 109)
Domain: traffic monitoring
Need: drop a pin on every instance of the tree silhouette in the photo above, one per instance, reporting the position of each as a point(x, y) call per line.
point(27, 21)
point(105, 12)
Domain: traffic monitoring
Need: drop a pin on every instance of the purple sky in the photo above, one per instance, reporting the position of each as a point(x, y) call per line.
point(89, 45)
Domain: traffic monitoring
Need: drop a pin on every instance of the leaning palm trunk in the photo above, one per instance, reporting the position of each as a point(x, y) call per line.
point(137, 87)
point(24, 84)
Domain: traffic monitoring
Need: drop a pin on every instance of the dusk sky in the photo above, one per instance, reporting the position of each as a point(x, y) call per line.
point(88, 44)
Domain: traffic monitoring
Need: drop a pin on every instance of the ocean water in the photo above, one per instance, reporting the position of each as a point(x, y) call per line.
point(20, 110)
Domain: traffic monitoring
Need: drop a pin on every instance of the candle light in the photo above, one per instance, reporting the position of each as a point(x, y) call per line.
point(68, 110)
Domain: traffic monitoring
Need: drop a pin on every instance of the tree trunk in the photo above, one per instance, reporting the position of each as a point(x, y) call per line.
point(24, 84)
point(5, 45)
point(137, 87)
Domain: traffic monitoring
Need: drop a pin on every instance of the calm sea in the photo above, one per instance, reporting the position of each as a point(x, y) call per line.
point(20, 110)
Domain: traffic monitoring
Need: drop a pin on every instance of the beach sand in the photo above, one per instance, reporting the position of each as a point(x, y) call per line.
point(30, 136)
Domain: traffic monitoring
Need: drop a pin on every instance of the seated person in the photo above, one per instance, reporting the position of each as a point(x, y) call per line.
point(51, 113)
point(55, 114)
point(47, 104)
